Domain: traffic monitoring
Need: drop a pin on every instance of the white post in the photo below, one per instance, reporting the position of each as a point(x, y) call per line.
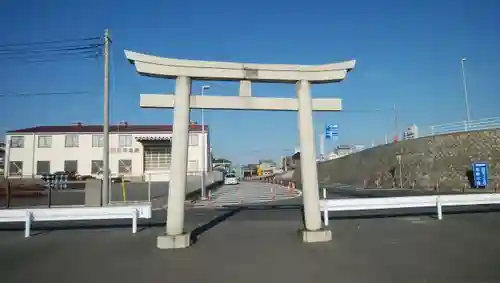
point(177, 189)
point(27, 225)
point(134, 221)
point(439, 209)
point(324, 193)
point(325, 216)
point(149, 186)
point(309, 171)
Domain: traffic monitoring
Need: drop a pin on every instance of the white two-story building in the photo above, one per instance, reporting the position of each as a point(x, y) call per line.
point(135, 150)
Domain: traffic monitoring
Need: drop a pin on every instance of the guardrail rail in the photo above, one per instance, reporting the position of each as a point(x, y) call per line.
point(438, 201)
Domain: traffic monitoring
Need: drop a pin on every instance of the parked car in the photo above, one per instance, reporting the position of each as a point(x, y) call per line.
point(231, 180)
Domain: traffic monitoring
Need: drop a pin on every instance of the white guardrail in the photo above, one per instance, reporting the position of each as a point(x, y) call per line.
point(464, 126)
point(28, 215)
point(438, 201)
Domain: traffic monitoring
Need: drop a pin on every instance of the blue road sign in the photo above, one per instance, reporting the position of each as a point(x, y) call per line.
point(480, 171)
point(331, 131)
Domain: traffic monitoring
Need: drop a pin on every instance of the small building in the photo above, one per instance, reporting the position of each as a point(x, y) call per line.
point(136, 151)
point(221, 162)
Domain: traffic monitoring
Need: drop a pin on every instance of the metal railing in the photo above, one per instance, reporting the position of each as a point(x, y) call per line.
point(463, 126)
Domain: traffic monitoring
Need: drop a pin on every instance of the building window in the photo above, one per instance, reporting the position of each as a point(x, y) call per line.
point(193, 165)
point(157, 157)
point(42, 167)
point(97, 141)
point(125, 140)
point(71, 166)
point(44, 141)
point(17, 142)
point(97, 167)
point(15, 168)
point(125, 166)
point(193, 140)
point(71, 141)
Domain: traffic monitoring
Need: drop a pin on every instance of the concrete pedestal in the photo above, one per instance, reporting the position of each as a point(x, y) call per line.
point(173, 242)
point(316, 236)
point(93, 195)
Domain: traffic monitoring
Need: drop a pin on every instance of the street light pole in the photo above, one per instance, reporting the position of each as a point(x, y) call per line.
point(203, 147)
point(464, 81)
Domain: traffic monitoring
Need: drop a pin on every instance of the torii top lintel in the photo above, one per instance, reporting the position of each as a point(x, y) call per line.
point(229, 71)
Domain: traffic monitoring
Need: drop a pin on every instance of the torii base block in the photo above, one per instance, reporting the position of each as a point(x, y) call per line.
point(316, 236)
point(173, 241)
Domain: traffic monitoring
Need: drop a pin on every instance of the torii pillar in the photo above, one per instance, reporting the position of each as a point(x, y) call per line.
point(183, 71)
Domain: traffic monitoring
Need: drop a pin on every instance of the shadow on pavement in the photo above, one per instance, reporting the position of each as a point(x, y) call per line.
point(233, 210)
point(195, 234)
point(39, 228)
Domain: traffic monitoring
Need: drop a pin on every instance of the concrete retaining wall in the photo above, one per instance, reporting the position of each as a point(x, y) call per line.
point(442, 160)
point(194, 182)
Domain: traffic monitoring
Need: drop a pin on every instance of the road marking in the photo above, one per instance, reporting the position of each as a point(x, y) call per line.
point(248, 192)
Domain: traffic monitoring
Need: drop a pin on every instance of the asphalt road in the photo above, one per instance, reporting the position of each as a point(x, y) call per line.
point(260, 244)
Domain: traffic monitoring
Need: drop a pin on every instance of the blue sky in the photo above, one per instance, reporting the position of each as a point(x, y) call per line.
point(407, 52)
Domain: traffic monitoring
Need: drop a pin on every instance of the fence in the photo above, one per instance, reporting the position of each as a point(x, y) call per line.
point(463, 126)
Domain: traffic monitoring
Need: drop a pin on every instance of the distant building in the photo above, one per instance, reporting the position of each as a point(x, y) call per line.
point(266, 167)
point(343, 150)
point(2, 157)
point(135, 150)
point(221, 162)
point(411, 133)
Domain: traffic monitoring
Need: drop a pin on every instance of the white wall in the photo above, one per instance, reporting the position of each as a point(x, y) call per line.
point(85, 153)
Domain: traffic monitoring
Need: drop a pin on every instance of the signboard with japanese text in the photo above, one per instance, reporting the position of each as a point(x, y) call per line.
point(480, 171)
point(331, 132)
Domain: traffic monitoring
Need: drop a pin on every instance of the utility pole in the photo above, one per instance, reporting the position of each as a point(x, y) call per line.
point(203, 147)
point(105, 157)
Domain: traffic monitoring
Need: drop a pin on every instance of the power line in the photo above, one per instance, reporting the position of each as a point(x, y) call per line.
point(58, 49)
point(48, 60)
point(50, 42)
point(50, 51)
point(44, 93)
point(51, 55)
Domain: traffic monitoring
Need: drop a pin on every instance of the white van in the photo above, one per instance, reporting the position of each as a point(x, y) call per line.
point(231, 180)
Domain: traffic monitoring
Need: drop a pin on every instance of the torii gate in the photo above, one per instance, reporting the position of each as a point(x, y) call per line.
point(186, 70)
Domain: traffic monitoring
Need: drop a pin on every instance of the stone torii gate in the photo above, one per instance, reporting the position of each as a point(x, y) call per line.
point(184, 71)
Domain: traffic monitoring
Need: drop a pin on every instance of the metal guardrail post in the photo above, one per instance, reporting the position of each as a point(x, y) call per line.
point(9, 192)
point(49, 200)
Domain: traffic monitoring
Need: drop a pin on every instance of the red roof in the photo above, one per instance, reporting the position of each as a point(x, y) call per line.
point(99, 128)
